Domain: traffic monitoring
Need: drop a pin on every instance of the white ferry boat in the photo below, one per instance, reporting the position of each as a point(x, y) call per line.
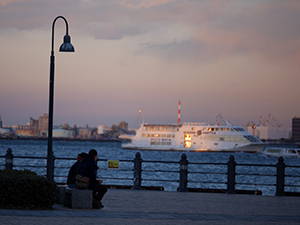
point(192, 137)
point(281, 151)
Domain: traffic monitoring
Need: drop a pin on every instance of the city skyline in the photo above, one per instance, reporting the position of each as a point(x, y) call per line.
point(235, 58)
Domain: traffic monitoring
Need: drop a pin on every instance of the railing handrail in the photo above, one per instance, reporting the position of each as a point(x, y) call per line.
point(158, 161)
point(29, 157)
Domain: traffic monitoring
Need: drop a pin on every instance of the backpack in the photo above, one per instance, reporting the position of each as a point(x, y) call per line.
point(82, 182)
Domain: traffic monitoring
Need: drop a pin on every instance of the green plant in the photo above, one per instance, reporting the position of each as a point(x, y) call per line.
point(25, 189)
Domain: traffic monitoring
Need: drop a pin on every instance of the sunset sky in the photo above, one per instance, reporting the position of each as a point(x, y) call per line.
point(238, 58)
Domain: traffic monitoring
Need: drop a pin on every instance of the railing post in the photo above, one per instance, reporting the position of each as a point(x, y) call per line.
point(137, 171)
point(231, 175)
point(50, 167)
point(280, 166)
point(9, 159)
point(183, 174)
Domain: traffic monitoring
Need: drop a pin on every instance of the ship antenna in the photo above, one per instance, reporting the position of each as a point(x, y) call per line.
point(179, 112)
point(140, 117)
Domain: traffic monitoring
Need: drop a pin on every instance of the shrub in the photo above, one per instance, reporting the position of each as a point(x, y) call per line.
point(25, 189)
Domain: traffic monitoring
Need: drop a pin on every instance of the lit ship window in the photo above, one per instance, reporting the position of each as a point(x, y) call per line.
point(187, 141)
point(158, 135)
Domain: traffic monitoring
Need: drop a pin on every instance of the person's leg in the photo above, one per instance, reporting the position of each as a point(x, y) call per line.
point(100, 190)
point(98, 193)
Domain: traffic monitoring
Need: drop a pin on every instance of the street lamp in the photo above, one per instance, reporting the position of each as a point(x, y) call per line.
point(65, 47)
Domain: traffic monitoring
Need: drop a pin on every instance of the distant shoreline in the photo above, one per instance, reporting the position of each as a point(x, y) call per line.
point(62, 139)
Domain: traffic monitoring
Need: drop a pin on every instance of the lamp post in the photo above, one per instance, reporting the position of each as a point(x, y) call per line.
point(65, 47)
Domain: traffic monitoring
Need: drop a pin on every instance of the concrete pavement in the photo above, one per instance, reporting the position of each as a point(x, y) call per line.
point(124, 207)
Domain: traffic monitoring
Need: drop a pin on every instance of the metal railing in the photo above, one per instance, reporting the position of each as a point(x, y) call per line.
point(226, 177)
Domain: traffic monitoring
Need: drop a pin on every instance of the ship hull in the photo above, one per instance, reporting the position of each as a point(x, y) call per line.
point(253, 148)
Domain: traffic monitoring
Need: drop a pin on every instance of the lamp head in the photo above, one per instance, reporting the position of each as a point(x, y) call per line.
point(67, 46)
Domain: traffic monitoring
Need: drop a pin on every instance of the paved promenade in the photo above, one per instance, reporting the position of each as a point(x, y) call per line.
point(126, 207)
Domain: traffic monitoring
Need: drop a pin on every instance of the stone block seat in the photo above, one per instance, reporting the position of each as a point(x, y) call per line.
point(78, 198)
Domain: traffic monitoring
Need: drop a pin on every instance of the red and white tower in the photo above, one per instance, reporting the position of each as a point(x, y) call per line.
point(179, 112)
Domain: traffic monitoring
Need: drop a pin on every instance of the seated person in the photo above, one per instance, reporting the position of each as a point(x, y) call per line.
point(88, 168)
point(74, 170)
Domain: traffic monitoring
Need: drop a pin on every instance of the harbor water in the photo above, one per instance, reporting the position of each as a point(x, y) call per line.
point(113, 151)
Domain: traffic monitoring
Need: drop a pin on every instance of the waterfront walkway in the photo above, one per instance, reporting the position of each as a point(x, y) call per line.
point(126, 207)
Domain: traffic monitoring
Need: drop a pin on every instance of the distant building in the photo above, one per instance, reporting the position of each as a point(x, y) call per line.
point(76, 132)
point(34, 126)
point(296, 129)
point(66, 126)
point(24, 131)
point(63, 133)
point(5, 132)
point(86, 133)
point(1, 123)
point(265, 132)
point(102, 129)
point(43, 125)
point(123, 125)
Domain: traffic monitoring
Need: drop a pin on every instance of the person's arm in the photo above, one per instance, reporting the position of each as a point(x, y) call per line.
point(99, 181)
point(92, 172)
point(70, 179)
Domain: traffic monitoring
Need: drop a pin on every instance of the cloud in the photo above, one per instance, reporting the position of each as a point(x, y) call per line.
point(216, 30)
point(217, 54)
point(109, 31)
point(207, 29)
point(7, 2)
point(140, 4)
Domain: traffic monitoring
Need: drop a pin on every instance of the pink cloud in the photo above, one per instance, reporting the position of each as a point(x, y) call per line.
point(7, 2)
point(138, 4)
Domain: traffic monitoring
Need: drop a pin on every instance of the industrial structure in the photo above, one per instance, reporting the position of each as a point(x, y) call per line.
point(296, 129)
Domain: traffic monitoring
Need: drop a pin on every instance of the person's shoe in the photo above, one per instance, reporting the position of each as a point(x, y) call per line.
point(97, 205)
point(101, 205)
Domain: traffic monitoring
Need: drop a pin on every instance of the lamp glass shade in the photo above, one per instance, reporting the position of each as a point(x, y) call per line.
point(67, 46)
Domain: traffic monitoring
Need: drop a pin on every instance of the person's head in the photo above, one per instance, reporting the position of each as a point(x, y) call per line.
point(93, 154)
point(82, 156)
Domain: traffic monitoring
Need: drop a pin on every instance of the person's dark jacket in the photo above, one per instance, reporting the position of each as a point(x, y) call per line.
point(74, 170)
point(88, 168)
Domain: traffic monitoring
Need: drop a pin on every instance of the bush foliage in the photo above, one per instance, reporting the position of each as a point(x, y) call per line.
point(25, 189)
